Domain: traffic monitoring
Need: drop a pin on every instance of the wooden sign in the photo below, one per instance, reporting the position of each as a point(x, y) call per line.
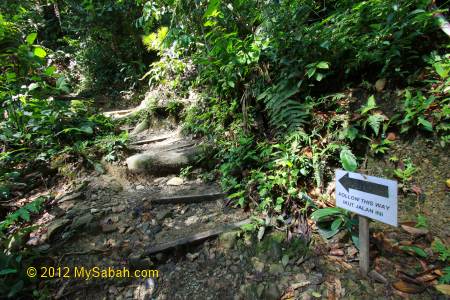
point(369, 197)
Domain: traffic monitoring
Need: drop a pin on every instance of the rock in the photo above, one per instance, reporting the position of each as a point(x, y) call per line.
point(56, 227)
point(140, 127)
point(175, 181)
point(118, 209)
point(69, 196)
point(248, 292)
point(192, 256)
point(276, 268)
point(161, 162)
point(191, 220)
point(162, 214)
point(82, 222)
point(140, 187)
point(228, 239)
point(258, 265)
point(106, 228)
point(271, 292)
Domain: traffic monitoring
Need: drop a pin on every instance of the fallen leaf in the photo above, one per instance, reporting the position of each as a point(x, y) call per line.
point(299, 284)
point(414, 231)
point(391, 136)
point(380, 84)
point(417, 190)
point(337, 252)
point(447, 182)
point(408, 287)
point(377, 277)
point(427, 277)
point(288, 295)
point(443, 288)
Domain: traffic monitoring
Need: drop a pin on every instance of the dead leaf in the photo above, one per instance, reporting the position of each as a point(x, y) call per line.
point(443, 288)
point(288, 295)
point(391, 136)
point(427, 277)
point(337, 252)
point(410, 228)
point(377, 277)
point(417, 190)
point(299, 284)
point(408, 287)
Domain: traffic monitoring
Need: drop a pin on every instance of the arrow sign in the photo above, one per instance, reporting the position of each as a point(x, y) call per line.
point(364, 186)
point(368, 196)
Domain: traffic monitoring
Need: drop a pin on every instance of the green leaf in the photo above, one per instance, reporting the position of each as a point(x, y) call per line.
point(325, 212)
point(285, 260)
point(371, 104)
point(33, 86)
point(212, 9)
point(417, 250)
point(87, 129)
point(323, 65)
point(425, 123)
point(61, 84)
point(7, 271)
point(319, 76)
point(375, 122)
point(336, 224)
point(348, 160)
point(39, 52)
point(31, 38)
point(50, 70)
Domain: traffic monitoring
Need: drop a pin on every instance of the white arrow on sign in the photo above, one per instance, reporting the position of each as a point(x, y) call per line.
point(368, 196)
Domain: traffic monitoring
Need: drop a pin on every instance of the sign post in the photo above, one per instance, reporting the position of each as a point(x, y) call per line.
point(369, 197)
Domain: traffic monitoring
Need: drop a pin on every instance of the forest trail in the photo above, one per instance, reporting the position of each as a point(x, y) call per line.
point(131, 216)
point(140, 214)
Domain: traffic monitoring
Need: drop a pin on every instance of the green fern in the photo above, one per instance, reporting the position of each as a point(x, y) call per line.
point(285, 113)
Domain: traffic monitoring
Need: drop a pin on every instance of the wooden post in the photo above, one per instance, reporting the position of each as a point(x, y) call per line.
point(364, 245)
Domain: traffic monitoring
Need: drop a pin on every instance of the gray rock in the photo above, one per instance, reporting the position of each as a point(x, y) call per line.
point(82, 222)
point(162, 214)
point(145, 290)
point(161, 162)
point(56, 227)
point(69, 196)
point(175, 181)
point(227, 240)
point(191, 220)
point(276, 268)
point(271, 292)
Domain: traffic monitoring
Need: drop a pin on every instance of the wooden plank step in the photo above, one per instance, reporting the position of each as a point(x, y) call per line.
point(177, 199)
point(196, 237)
point(154, 140)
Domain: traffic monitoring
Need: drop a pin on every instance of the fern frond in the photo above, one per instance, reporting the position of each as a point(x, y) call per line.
point(284, 113)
